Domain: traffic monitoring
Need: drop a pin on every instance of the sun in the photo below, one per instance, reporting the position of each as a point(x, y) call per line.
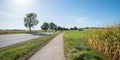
point(21, 2)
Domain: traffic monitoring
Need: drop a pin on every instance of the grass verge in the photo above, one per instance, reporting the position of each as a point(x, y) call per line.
point(76, 48)
point(23, 51)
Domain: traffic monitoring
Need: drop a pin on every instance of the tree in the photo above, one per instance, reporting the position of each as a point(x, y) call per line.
point(55, 27)
point(75, 28)
point(52, 26)
point(30, 20)
point(80, 29)
point(59, 28)
point(71, 28)
point(65, 28)
point(45, 26)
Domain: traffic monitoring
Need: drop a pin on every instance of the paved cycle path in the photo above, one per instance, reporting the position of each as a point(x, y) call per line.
point(54, 50)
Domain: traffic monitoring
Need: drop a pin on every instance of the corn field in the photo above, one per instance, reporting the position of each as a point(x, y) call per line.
point(106, 41)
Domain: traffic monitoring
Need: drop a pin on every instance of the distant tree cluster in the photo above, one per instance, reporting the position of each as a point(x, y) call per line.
point(52, 26)
point(92, 27)
point(74, 28)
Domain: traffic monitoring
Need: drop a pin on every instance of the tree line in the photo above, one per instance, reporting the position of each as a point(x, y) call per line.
point(52, 26)
point(30, 20)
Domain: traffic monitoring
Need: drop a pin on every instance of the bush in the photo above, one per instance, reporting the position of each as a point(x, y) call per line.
point(80, 29)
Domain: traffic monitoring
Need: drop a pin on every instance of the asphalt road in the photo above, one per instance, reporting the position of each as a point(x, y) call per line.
point(7, 40)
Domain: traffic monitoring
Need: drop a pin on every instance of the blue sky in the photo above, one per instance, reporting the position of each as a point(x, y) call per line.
point(66, 13)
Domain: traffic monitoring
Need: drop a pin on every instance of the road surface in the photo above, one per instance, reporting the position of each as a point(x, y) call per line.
point(7, 40)
point(54, 50)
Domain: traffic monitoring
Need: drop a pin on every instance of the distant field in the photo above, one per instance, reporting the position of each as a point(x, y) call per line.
point(76, 48)
point(104, 41)
point(19, 32)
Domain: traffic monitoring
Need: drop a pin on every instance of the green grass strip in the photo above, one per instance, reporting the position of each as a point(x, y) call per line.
point(76, 48)
point(24, 50)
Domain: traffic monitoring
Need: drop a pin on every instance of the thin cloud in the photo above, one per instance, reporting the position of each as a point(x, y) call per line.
point(9, 15)
point(82, 20)
point(87, 22)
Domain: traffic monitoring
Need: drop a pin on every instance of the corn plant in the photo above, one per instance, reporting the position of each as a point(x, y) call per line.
point(106, 41)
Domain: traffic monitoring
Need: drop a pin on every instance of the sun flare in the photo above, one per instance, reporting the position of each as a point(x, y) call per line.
point(21, 2)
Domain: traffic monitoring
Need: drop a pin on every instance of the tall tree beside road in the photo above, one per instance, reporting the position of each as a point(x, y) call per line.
point(45, 26)
point(30, 20)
